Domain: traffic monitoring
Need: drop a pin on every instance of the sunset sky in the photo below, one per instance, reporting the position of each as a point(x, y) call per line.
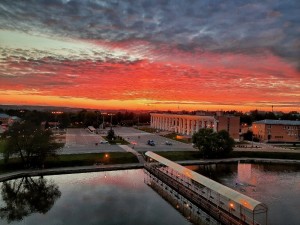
point(151, 54)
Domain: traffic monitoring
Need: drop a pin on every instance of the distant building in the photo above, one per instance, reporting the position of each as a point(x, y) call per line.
point(277, 130)
point(50, 125)
point(189, 124)
point(4, 118)
point(6, 121)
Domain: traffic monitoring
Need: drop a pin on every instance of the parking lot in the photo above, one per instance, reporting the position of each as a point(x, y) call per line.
point(79, 140)
point(138, 140)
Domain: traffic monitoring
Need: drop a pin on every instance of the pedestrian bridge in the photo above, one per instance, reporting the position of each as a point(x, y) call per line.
point(222, 203)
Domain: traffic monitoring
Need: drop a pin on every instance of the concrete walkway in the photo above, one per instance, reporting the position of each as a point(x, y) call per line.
point(137, 154)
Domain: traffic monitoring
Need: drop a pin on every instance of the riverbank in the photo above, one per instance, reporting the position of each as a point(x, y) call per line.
point(98, 168)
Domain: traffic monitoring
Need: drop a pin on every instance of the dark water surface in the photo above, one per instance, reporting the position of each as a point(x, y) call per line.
point(278, 186)
point(122, 197)
point(115, 197)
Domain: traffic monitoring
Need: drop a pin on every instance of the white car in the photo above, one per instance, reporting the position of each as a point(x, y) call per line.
point(103, 142)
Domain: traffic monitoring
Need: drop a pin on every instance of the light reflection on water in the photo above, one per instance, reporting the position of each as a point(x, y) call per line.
point(115, 197)
point(278, 186)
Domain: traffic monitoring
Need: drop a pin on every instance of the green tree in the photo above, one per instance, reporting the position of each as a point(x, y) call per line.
point(30, 143)
point(111, 134)
point(212, 144)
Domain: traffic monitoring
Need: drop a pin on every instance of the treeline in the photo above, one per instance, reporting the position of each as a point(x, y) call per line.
point(84, 118)
point(81, 118)
point(256, 115)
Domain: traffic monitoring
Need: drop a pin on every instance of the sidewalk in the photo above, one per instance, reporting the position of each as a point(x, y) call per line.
point(138, 155)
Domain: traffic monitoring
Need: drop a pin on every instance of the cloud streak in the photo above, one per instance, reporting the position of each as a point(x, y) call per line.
point(161, 51)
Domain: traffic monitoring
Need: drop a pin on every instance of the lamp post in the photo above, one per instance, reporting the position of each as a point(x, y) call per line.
point(110, 114)
point(103, 114)
point(97, 114)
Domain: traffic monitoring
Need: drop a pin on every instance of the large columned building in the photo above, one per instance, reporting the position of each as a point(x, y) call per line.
point(189, 124)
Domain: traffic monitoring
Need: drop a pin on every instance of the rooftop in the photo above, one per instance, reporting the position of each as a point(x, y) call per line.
point(3, 115)
point(279, 122)
point(225, 191)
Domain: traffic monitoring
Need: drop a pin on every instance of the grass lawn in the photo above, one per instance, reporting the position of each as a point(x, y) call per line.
point(174, 137)
point(290, 146)
point(195, 155)
point(76, 160)
point(2, 143)
point(268, 155)
point(126, 157)
point(147, 129)
point(177, 155)
point(118, 140)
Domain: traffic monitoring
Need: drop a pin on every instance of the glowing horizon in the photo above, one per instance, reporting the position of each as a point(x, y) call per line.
point(133, 56)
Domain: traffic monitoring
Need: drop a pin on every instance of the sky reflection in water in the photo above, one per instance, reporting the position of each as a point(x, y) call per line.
point(121, 197)
point(278, 186)
point(116, 197)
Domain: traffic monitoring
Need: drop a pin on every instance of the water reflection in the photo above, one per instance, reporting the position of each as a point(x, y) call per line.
point(278, 186)
point(110, 198)
point(189, 210)
point(22, 197)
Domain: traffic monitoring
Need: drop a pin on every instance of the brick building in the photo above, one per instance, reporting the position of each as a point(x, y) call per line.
point(277, 130)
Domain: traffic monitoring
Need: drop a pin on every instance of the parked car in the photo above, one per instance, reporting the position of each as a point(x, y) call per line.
point(151, 143)
point(168, 143)
point(103, 142)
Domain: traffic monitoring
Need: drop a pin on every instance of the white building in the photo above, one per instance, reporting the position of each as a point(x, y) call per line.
point(189, 124)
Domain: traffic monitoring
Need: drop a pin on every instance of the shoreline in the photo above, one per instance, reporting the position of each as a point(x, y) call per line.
point(99, 168)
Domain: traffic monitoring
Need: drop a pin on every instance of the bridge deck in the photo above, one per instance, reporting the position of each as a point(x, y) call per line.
point(199, 193)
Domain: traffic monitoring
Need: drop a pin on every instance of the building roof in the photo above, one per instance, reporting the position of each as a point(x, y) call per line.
point(231, 194)
point(278, 122)
point(3, 115)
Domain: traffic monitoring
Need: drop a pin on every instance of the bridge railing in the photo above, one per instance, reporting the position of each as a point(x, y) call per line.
point(217, 203)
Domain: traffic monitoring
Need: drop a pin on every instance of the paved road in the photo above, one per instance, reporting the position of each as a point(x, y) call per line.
point(138, 140)
point(80, 140)
point(264, 147)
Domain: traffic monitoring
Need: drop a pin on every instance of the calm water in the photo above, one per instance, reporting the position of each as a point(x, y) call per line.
point(122, 197)
point(278, 186)
point(116, 198)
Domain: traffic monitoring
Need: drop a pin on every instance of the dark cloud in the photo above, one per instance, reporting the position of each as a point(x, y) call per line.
point(222, 26)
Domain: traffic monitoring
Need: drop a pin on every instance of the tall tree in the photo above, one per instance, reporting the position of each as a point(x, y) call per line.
point(31, 143)
point(212, 144)
point(111, 134)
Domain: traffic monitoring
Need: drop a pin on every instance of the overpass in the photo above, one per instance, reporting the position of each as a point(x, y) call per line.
point(222, 203)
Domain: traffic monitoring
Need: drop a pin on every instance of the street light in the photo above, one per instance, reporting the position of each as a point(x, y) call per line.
point(103, 114)
point(111, 114)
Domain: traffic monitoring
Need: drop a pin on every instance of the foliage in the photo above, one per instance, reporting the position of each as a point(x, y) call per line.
point(22, 197)
point(116, 140)
point(111, 134)
point(30, 143)
point(211, 144)
point(180, 155)
point(248, 135)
